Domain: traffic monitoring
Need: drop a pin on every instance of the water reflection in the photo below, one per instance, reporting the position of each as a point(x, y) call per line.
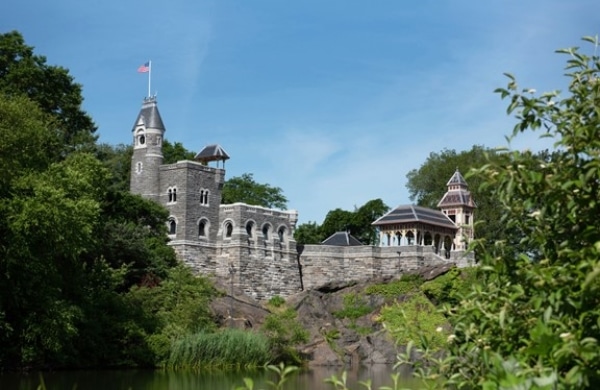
point(192, 380)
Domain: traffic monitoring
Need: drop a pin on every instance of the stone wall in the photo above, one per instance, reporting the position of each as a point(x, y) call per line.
point(189, 178)
point(322, 264)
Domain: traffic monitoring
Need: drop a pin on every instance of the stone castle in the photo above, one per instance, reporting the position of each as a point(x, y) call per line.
point(253, 248)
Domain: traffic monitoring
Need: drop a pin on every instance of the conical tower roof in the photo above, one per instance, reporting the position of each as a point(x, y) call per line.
point(458, 193)
point(457, 179)
point(149, 115)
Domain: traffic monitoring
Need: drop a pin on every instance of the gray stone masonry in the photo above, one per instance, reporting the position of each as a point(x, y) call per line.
point(322, 264)
point(260, 253)
point(249, 247)
point(189, 178)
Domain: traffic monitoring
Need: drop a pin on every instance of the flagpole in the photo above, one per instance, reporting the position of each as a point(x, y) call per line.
point(149, 76)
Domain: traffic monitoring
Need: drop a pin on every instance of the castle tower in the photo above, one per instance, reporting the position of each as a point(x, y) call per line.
point(148, 132)
point(458, 205)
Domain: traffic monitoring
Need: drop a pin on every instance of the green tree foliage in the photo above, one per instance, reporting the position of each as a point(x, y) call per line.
point(427, 185)
point(308, 233)
point(173, 152)
point(73, 240)
point(176, 307)
point(357, 222)
point(23, 73)
point(117, 159)
point(416, 319)
point(534, 321)
point(246, 190)
point(338, 220)
point(132, 234)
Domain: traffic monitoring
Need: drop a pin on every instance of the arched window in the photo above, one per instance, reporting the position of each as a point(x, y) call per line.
point(266, 231)
point(172, 227)
point(172, 193)
point(228, 229)
point(204, 197)
point(410, 238)
point(142, 140)
point(281, 233)
point(138, 167)
point(202, 228)
point(250, 228)
point(427, 239)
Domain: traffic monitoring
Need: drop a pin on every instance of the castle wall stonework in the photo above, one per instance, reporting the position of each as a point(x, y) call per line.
point(250, 247)
point(322, 264)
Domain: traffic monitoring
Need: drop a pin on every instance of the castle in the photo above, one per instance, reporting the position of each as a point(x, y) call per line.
point(253, 247)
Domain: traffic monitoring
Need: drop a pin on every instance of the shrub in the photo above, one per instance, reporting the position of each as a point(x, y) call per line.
point(277, 301)
point(284, 332)
point(406, 284)
point(354, 307)
point(415, 319)
point(533, 321)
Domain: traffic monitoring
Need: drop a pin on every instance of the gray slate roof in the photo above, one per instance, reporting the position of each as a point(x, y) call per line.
point(457, 178)
point(457, 196)
point(150, 115)
point(342, 239)
point(412, 213)
point(212, 153)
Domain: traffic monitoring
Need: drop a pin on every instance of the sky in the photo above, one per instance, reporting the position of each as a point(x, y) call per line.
point(332, 101)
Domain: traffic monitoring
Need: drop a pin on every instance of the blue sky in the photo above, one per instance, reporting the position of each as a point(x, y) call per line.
point(333, 101)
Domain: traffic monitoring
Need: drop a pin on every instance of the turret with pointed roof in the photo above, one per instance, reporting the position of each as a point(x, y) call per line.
point(148, 133)
point(457, 203)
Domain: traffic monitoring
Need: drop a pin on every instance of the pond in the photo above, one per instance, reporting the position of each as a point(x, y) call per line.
point(177, 380)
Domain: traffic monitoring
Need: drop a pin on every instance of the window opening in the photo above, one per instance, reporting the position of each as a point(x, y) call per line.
point(202, 228)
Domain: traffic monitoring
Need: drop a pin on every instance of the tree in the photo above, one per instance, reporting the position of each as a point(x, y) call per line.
point(357, 222)
point(308, 233)
point(173, 152)
point(338, 220)
point(117, 159)
point(427, 185)
point(244, 189)
point(534, 321)
point(364, 216)
point(23, 73)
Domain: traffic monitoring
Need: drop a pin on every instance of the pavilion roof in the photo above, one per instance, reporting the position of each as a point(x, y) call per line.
point(342, 239)
point(412, 213)
point(212, 153)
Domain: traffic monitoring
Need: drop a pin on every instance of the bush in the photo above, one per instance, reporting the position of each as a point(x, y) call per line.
point(284, 333)
point(533, 321)
point(354, 307)
point(406, 284)
point(277, 301)
point(416, 319)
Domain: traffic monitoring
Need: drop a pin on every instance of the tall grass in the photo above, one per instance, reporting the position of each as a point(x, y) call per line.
point(228, 348)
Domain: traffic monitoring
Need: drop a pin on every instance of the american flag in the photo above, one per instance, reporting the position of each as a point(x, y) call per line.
point(144, 68)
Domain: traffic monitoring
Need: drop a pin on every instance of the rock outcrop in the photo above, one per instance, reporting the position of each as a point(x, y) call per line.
point(334, 340)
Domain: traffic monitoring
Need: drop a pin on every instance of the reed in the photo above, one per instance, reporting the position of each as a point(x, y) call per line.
point(228, 348)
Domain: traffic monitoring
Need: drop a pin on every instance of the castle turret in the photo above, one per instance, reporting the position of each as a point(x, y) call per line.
point(148, 132)
point(457, 203)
